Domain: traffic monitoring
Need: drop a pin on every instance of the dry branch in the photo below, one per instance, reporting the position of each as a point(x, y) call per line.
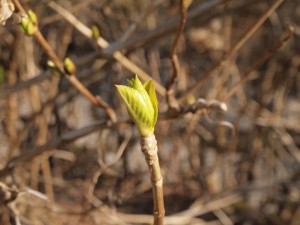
point(96, 100)
point(233, 51)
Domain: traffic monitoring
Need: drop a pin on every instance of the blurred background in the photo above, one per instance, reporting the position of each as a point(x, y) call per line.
point(61, 163)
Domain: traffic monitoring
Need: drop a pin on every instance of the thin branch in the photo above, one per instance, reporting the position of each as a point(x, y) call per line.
point(46, 75)
point(233, 50)
point(174, 59)
point(200, 104)
point(75, 9)
point(102, 43)
point(161, 30)
point(135, 41)
point(103, 167)
point(261, 61)
point(29, 154)
point(197, 209)
point(135, 25)
point(52, 144)
point(24, 84)
point(96, 100)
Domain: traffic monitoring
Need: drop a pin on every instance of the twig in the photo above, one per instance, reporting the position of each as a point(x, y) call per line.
point(24, 131)
point(73, 135)
point(135, 25)
point(165, 28)
point(9, 197)
point(221, 123)
point(96, 100)
point(43, 161)
point(102, 43)
point(75, 8)
point(44, 76)
point(185, 217)
point(139, 39)
point(45, 107)
point(103, 167)
point(261, 61)
point(233, 50)
point(171, 100)
point(24, 84)
point(41, 123)
point(56, 143)
point(200, 104)
point(225, 220)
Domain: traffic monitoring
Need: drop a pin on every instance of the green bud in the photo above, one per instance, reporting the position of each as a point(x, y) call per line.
point(29, 23)
point(33, 17)
point(141, 103)
point(69, 66)
point(27, 26)
point(95, 32)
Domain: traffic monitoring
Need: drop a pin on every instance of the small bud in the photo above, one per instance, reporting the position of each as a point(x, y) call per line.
point(33, 17)
point(27, 26)
point(95, 32)
point(29, 23)
point(51, 65)
point(69, 66)
point(53, 68)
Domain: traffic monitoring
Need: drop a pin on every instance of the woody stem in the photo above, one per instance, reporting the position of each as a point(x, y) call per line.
point(149, 148)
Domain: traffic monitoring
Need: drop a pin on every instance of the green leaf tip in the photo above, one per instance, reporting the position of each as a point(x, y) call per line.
point(141, 103)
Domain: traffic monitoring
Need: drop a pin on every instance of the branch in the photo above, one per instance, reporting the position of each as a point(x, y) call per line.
point(96, 100)
point(261, 61)
point(233, 50)
point(174, 59)
point(165, 28)
point(29, 154)
point(102, 43)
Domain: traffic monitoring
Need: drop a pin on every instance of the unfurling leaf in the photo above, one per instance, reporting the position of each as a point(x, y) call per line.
point(141, 104)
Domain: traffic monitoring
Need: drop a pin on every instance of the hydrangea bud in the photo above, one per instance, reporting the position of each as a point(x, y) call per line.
point(141, 103)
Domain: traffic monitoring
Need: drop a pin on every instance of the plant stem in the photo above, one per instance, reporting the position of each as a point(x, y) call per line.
point(149, 148)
